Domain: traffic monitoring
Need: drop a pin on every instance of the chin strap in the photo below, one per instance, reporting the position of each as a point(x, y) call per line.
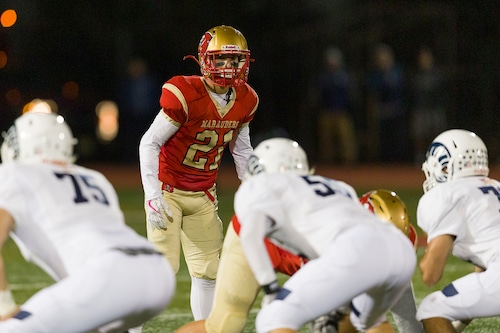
point(228, 95)
point(192, 57)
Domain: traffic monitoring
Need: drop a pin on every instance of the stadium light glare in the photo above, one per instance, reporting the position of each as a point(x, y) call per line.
point(8, 18)
point(13, 97)
point(39, 105)
point(107, 121)
point(3, 59)
point(70, 90)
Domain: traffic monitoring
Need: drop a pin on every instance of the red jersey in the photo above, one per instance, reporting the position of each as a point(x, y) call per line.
point(283, 261)
point(190, 159)
point(413, 236)
point(288, 263)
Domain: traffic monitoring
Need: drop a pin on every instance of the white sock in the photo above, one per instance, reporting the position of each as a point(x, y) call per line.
point(459, 325)
point(137, 329)
point(202, 296)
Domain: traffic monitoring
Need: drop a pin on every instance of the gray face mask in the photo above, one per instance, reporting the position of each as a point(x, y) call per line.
point(253, 166)
point(10, 145)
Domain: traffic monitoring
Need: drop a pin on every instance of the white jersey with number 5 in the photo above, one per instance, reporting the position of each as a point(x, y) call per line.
point(303, 214)
point(468, 208)
point(64, 216)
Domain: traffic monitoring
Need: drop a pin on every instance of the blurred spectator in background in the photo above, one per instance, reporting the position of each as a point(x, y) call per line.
point(387, 131)
point(428, 103)
point(331, 97)
point(138, 105)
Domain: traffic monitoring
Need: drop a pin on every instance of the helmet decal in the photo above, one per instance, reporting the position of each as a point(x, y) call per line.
point(278, 155)
point(10, 146)
point(368, 205)
point(230, 48)
point(443, 156)
point(204, 42)
point(253, 166)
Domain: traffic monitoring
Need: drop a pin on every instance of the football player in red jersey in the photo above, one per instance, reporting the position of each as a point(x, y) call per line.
point(181, 152)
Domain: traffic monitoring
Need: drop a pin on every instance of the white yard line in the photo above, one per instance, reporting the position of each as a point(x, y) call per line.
point(29, 286)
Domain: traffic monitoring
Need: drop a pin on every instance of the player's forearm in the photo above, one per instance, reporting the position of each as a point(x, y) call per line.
point(8, 306)
point(6, 226)
point(3, 277)
point(252, 238)
point(241, 149)
point(7, 303)
point(430, 270)
point(160, 131)
point(259, 262)
point(148, 158)
point(434, 260)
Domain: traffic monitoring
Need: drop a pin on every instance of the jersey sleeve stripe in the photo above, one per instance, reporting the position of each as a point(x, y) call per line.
point(170, 120)
point(177, 93)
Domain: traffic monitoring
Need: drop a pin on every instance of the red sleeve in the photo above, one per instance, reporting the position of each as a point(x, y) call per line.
point(289, 263)
point(413, 236)
point(249, 97)
point(283, 261)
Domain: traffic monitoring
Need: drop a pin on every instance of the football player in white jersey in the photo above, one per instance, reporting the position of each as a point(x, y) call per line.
point(322, 220)
point(460, 212)
point(389, 207)
point(67, 220)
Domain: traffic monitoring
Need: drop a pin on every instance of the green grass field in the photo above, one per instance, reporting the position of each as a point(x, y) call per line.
point(26, 279)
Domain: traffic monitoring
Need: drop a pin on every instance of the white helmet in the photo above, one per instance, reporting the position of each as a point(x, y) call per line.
point(454, 154)
point(38, 137)
point(278, 155)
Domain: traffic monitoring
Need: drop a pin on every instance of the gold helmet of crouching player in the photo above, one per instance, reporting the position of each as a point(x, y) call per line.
point(389, 207)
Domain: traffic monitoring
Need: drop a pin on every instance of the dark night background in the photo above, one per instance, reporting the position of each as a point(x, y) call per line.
point(90, 42)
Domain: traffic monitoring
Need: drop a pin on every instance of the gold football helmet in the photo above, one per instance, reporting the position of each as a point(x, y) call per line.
point(389, 207)
point(218, 47)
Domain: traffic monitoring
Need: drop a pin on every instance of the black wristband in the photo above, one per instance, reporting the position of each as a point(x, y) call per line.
point(271, 288)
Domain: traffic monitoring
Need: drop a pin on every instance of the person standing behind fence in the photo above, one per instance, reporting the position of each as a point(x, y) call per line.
point(138, 104)
point(336, 130)
point(386, 113)
point(428, 103)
